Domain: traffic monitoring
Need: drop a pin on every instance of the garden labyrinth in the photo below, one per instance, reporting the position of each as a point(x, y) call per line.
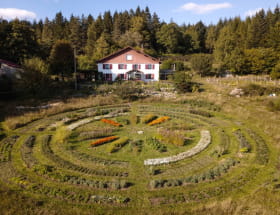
point(135, 156)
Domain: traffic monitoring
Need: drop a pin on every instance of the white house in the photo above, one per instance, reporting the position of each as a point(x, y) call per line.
point(129, 64)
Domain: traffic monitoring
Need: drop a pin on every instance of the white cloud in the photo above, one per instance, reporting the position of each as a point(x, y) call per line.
point(252, 12)
point(204, 8)
point(12, 13)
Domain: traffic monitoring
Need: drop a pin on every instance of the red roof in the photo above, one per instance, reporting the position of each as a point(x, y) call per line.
point(9, 63)
point(122, 51)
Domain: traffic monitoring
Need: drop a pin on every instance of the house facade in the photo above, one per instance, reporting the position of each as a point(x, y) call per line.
point(129, 64)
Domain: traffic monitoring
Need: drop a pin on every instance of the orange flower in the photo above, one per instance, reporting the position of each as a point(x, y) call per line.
point(159, 120)
point(103, 140)
point(111, 122)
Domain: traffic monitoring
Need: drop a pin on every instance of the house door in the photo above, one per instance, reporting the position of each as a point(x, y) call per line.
point(134, 75)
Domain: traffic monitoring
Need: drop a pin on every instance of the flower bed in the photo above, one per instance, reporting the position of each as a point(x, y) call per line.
point(159, 120)
point(111, 122)
point(103, 140)
point(202, 144)
point(118, 144)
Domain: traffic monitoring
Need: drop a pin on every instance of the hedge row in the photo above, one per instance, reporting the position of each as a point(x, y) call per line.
point(6, 147)
point(244, 144)
point(68, 165)
point(210, 174)
point(118, 144)
point(262, 155)
point(87, 157)
point(68, 195)
point(26, 151)
point(201, 113)
point(96, 134)
point(53, 173)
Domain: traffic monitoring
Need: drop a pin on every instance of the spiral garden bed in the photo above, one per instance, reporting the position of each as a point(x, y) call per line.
point(126, 157)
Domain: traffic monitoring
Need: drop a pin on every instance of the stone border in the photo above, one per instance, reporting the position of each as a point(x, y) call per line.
point(204, 141)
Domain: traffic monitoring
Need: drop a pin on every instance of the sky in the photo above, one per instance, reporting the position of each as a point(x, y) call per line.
point(179, 11)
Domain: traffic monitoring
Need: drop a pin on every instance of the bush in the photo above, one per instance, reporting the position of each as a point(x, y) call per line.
point(253, 90)
point(35, 79)
point(148, 118)
point(129, 91)
point(274, 105)
point(118, 144)
point(182, 81)
point(155, 144)
point(175, 137)
point(202, 64)
point(275, 75)
point(201, 113)
point(137, 145)
point(244, 144)
point(257, 90)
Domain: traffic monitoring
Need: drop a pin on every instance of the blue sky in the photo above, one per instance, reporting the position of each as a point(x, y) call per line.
point(180, 11)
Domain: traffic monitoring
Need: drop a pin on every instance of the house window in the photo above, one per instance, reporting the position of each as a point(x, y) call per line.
point(121, 76)
point(107, 66)
point(136, 66)
point(129, 57)
point(122, 66)
point(150, 66)
point(149, 76)
point(108, 77)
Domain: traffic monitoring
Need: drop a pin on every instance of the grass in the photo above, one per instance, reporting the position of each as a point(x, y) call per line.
point(63, 176)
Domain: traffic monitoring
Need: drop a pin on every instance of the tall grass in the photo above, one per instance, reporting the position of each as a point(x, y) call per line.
point(69, 105)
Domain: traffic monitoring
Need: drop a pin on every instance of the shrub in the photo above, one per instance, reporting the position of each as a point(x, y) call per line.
point(148, 118)
point(174, 137)
point(182, 81)
point(274, 105)
point(202, 64)
point(155, 144)
point(137, 145)
point(253, 90)
point(118, 144)
point(129, 91)
point(201, 113)
point(95, 134)
point(275, 74)
point(201, 103)
point(103, 140)
point(244, 144)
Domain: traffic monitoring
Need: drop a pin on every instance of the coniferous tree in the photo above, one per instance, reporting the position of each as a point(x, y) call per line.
point(22, 41)
point(75, 33)
point(107, 22)
point(59, 27)
point(258, 30)
point(47, 34)
point(102, 47)
point(91, 40)
point(62, 59)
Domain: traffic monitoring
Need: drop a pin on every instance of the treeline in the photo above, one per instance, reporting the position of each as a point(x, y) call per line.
point(241, 46)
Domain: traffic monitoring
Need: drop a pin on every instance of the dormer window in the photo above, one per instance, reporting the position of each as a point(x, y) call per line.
point(129, 57)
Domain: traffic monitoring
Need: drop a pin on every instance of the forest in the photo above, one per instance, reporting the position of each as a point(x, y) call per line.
point(249, 46)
